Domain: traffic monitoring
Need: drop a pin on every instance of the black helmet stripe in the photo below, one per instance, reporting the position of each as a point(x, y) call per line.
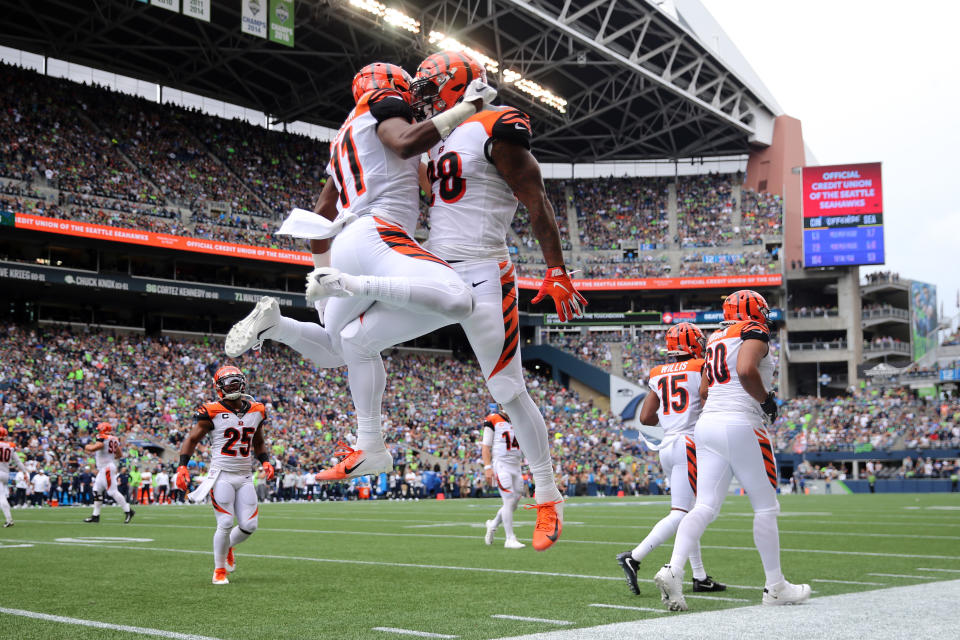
point(466, 63)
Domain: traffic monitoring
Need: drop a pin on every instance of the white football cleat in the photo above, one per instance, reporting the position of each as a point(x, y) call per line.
point(513, 543)
point(491, 531)
point(785, 593)
point(250, 332)
point(670, 584)
point(327, 282)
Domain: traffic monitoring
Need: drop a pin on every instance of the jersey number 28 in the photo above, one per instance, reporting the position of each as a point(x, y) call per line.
point(448, 170)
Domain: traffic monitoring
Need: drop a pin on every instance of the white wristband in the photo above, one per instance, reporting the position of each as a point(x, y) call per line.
point(487, 466)
point(452, 118)
point(321, 259)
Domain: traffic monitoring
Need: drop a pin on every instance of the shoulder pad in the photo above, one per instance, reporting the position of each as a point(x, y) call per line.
point(385, 104)
point(655, 371)
point(752, 330)
point(512, 125)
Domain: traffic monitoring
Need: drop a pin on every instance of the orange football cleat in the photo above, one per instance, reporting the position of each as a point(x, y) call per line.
point(356, 462)
point(231, 565)
point(220, 576)
point(549, 524)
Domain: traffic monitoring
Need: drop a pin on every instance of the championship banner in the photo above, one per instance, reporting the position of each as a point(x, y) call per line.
point(281, 22)
point(199, 9)
point(169, 5)
point(253, 18)
point(161, 240)
point(707, 282)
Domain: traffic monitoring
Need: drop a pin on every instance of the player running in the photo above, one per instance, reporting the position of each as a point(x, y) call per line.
point(372, 200)
point(107, 451)
point(501, 461)
point(8, 452)
point(236, 423)
point(732, 439)
point(674, 401)
point(476, 177)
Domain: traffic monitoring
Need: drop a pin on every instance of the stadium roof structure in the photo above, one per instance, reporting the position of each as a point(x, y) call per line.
point(637, 80)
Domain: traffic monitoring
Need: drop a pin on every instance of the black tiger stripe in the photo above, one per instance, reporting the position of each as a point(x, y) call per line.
point(466, 63)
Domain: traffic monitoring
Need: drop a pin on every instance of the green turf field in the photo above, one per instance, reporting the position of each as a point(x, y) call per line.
point(339, 570)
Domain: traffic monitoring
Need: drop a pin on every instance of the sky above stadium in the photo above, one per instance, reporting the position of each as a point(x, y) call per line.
point(872, 80)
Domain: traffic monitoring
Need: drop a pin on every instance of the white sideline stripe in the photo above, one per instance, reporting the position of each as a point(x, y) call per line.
point(625, 607)
point(105, 625)
point(14, 546)
point(690, 595)
point(411, 632)
point(503, 616)
point(825, 618)
point(869, 584)
point(474, 537)
point(901, 575)
point(943, 570)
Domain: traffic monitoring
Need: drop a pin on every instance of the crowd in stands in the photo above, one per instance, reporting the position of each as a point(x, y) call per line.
point(761, 215)
point(749, 262)
point(882, 276)
point(613, 213)
point(952, 340)
point(704, 207)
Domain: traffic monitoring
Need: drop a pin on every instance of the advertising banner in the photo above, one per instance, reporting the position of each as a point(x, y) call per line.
point(253, 17)
point(923, 317)
point(153, 286)
point(281, 22)
point(842, 189)
point(169, 5)
point(199, 9)
point(216, 247)
point(706, 317)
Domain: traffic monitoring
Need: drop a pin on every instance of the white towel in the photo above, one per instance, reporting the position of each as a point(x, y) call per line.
point(200, 493)
point(301, 223)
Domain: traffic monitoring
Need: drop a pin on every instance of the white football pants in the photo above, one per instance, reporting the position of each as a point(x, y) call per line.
point(233, 497)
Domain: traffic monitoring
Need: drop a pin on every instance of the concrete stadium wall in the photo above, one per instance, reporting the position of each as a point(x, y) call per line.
point(912, 485)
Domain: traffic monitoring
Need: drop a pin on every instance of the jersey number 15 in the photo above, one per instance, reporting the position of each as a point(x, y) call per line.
point(672, 394)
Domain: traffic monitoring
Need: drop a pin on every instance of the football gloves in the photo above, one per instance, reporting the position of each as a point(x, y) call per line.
point(769, 406)
point(183, 478)
point(268, 470)
point(479, 90)
point(557, 285)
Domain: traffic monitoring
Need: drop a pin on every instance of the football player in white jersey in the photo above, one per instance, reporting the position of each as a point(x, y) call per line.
point(501, 463)
point(235, 424)
point(372, 199)
point(732, 439)
point(8, 453)
point(476, 176)
point(674, 402)
point(107, 451)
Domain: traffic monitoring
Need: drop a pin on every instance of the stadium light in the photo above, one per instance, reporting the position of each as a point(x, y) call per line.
point(443, 42)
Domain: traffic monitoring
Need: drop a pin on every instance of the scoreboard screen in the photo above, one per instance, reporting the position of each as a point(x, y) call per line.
point(842, 215)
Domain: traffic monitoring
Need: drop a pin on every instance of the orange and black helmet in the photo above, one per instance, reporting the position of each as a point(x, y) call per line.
point(3, 433)
point(381, 75)
point(104, 429)
point(442, 79)
point(229, 383)
point(685, 339)
point(746, 305)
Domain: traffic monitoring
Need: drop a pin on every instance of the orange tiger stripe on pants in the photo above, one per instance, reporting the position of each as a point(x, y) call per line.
point(692, 464)
point(769, 462)
point(398, 240)
point(511, 317)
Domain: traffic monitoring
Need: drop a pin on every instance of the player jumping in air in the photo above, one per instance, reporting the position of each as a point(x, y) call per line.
point(674, 402)
point(235, 423)
point(107, 451)
point(732, 440)
point(8, 453)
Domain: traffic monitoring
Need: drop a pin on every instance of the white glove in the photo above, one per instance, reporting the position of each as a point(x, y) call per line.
point(320, 305)
point(479, 90)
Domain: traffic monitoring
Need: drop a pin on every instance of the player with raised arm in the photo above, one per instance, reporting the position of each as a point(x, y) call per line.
point(8, 453)
point(235, 423)
point(476, 176)
point(732, 440)
point(371, 205)
point(674, 402)
point(107, 451)
point(501, 463)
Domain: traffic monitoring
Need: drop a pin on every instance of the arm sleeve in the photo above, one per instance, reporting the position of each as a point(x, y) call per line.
point(487, 435)
point(386, 104)
point(202, 414)
point(513, 126)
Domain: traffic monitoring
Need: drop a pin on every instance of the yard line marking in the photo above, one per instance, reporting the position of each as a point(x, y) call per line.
point(869, 584)
point(943, 570)
point(15, 546)
point(503, 616)
point(104, 625)
point(411, 632)
point(690, 595)
point(621, 606)
point(838, 553)
point(900, 575)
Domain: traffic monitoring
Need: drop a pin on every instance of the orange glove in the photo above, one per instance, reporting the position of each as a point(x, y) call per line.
point(268, 469)
point(557, 285)
point(183, 478)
